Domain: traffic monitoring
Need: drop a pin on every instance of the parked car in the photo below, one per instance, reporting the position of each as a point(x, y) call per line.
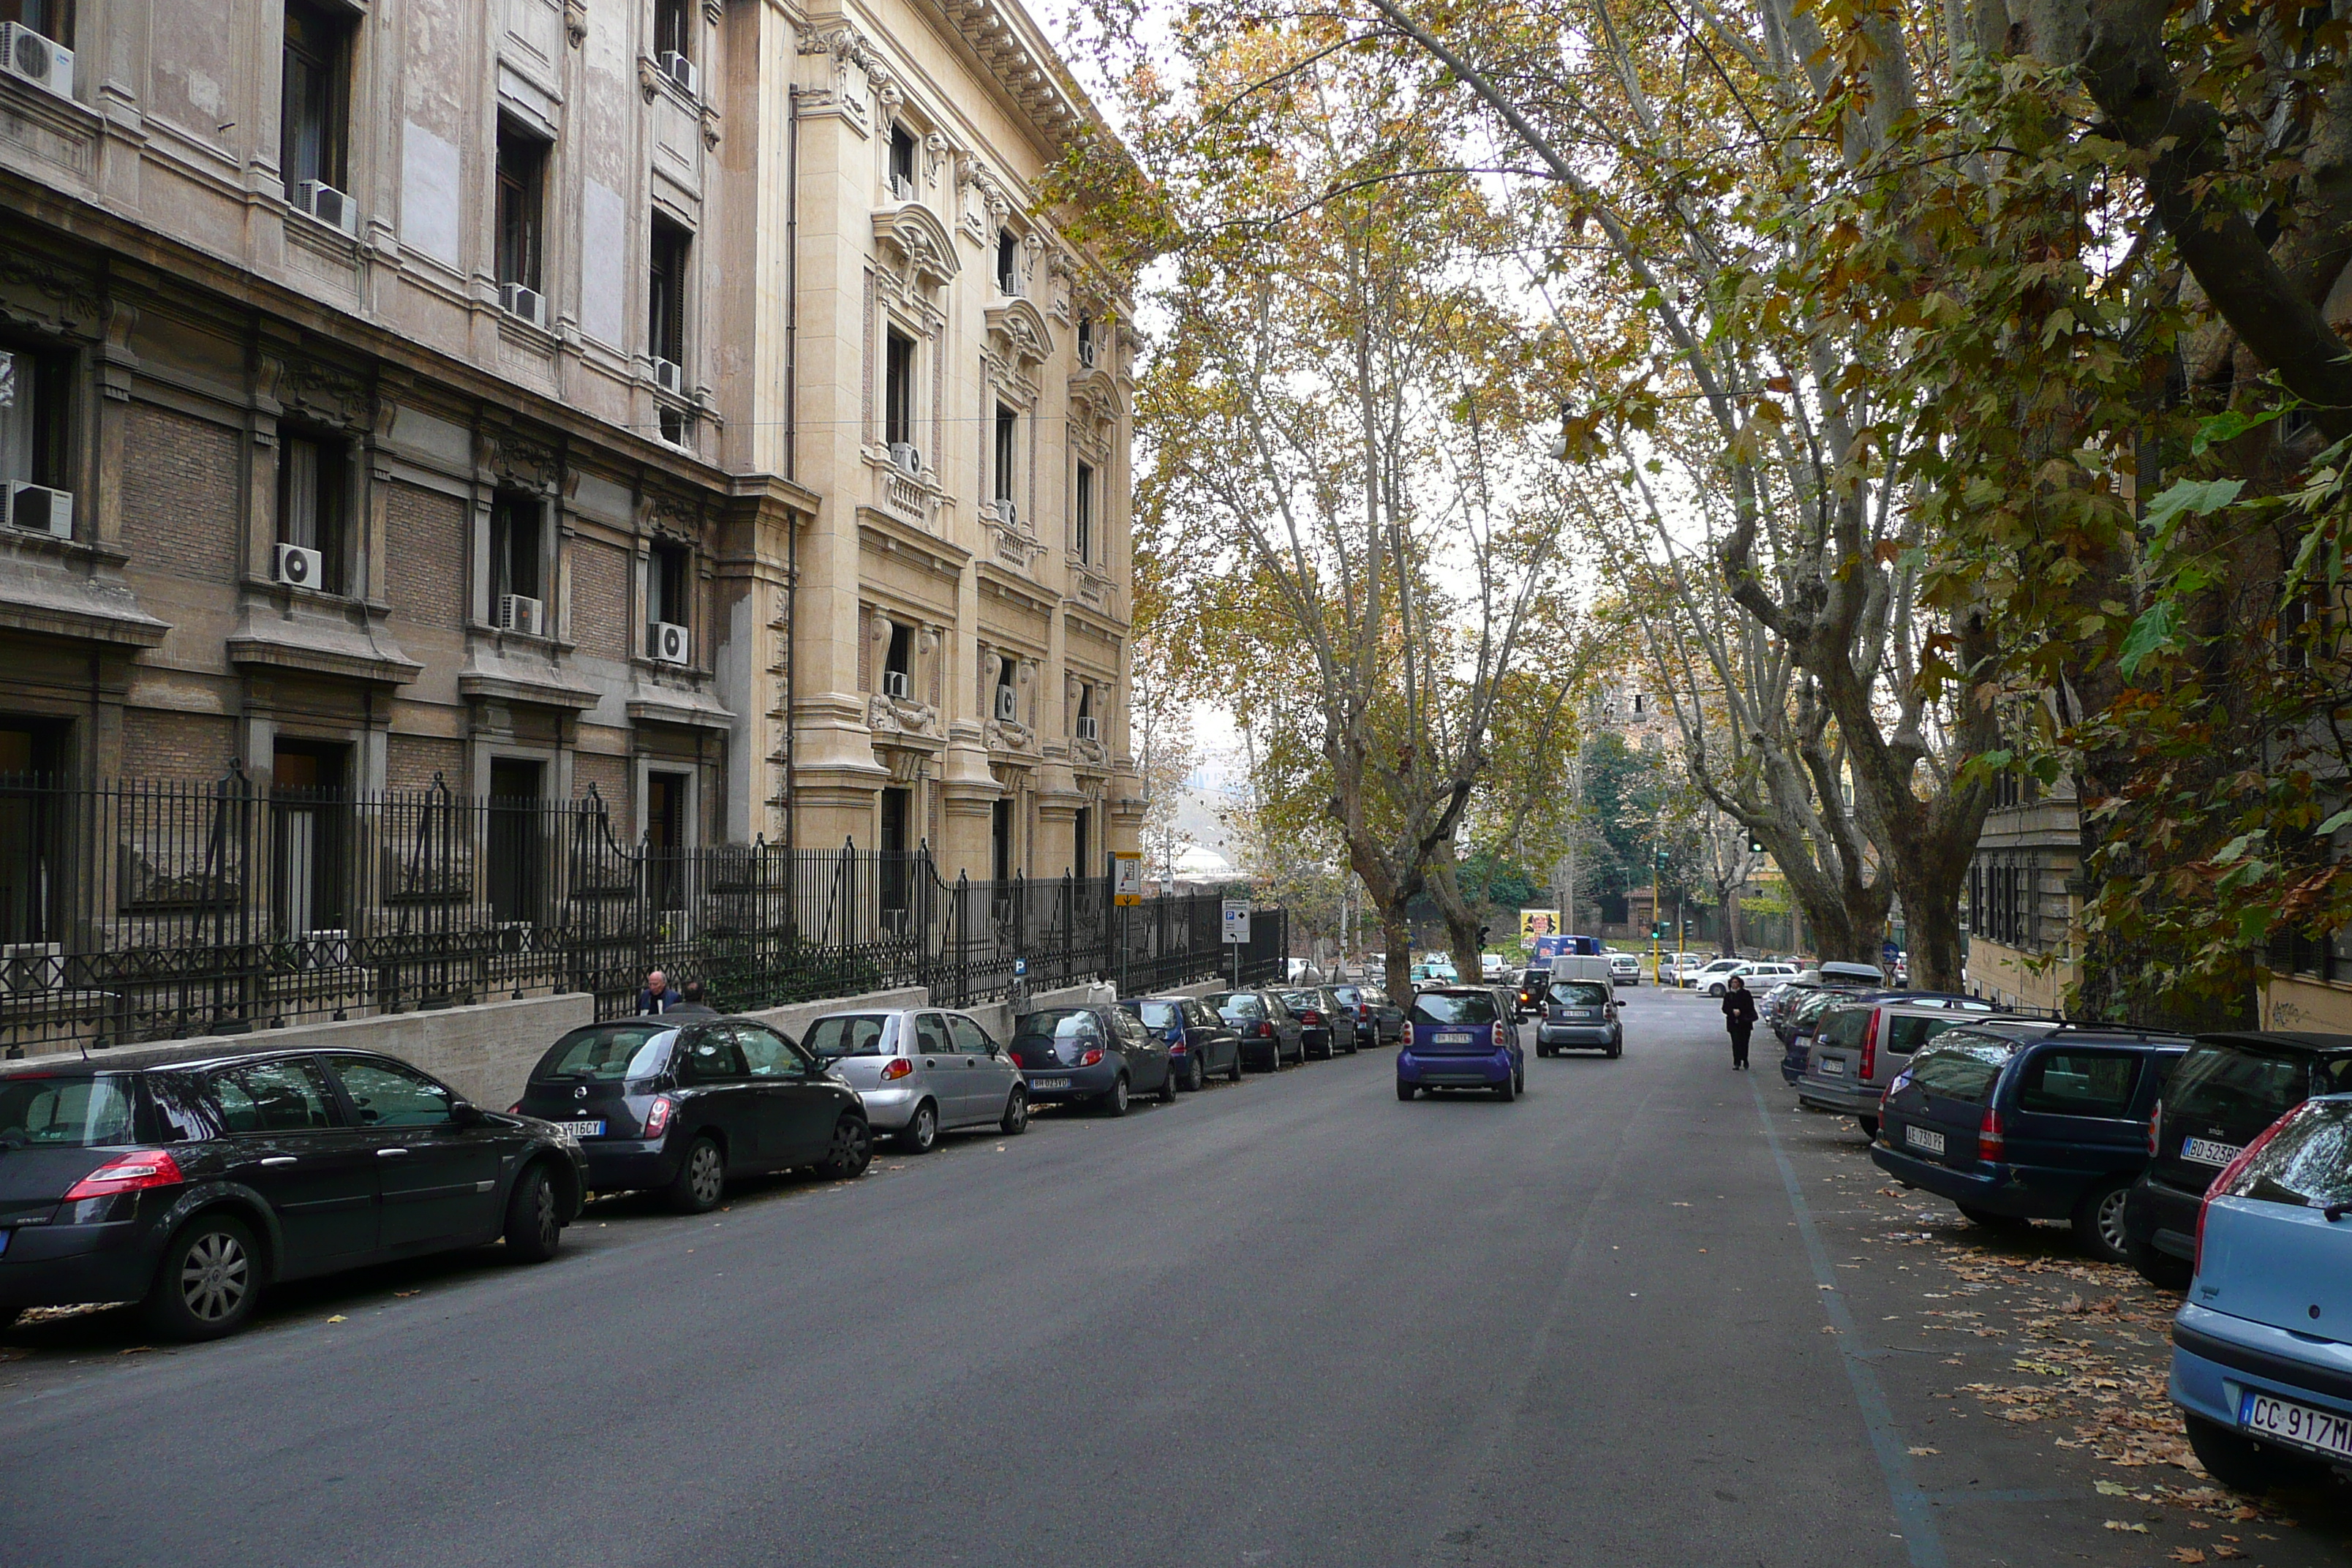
point(1580, 1015)
point(922, 1073)
point(1376, 1019)
point(682, 1106)
point(1762, 977)
point(2223, 1094)
point(1271, 1035)
point(1860, 1046)
point(2261, 1348)
point(1713, 976)
point(1461, 1036)
point(1625, 968)
point(1323, 1030)
point(1201, 1044)
point(1802, 1017)
point(1101, 1056)
point(1492, 967)
point(191, 1179)
point(2018, 1120)
point(1529, 998)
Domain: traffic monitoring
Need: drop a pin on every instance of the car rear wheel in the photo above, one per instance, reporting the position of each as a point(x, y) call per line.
point(535, 1227)
point(852, 1149)
point(1115, 1103)
point(2242, 1463)
point(1405, 1092)
point(1196, 1075)
point(2160, 1268)
point(1869, 1125)
point(2099, 1223)
point(1992, 1221)
point(1616, 1049)
point(1016, 1113)
point(1542, 1049)
point(1506, 1092)
point(1167, 1085)
point(1233, 1074)
point(209, 1279)
point(922, 1133)
point(701, 1179)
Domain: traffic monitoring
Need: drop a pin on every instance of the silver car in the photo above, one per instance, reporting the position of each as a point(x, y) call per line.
point(923, 1072)
point(1862, 1046)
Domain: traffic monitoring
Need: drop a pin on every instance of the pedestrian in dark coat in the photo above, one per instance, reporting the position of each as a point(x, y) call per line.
point(658, 994)
point(1739, 1018)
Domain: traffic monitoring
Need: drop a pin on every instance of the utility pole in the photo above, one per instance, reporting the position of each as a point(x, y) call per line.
point(1657, 914)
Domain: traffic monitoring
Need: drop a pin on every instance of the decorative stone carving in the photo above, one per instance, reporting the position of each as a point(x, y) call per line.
point(927, 251)
point(901, 715)
point(935, 157)
point(849, 48)
point(1021, 327)
point(1009, 735)
point(325, 394)
point(575, 21)
point(519, 459)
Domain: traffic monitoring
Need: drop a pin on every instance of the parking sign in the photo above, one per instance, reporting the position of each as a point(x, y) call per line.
point(1237, 913)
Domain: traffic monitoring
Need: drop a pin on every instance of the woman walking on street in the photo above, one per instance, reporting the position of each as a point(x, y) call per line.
point(1739, 1018)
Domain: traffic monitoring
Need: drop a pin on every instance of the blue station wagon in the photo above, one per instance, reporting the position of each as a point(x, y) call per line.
point(2016, 1120)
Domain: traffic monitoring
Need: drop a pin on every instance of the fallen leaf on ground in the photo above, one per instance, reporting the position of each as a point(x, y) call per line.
point(2119, 1524)
point(2187, 1554)
point(339, 1317)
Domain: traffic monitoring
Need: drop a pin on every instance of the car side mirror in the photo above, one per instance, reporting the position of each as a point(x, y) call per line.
point(465, 1113)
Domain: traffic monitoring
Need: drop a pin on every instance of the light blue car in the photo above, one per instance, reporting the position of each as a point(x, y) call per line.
point(2262, 1360)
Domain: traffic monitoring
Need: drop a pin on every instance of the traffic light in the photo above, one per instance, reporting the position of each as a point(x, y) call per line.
point(1661, 857)
point(1755, 845)
point(1482, 935)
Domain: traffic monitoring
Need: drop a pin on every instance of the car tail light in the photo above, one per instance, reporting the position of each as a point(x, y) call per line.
point(1502, 1039)
point(896, 1068)
point(1310, 1016)
point(1405, 1037)
point(515, 1110)
point(132, 1173)
point(1090, 1059)
point(1870, 1047)
point(2226, 1185)
point(1991, 1144)
point(658, 1115)
point(2155, 1121)
point(1264, 1031)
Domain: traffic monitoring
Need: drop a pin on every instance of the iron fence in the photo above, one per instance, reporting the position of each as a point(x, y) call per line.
point(140, 910)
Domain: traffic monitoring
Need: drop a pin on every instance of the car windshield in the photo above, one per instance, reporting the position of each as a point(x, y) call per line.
point(1236, 1004)
point(77, 1112)
point(1843, 1027)
point(1455, 1007)
point(609, 1053)
point(2308, 1162)
point(849, 1034)
point(1812, 1007)
point(1962, 1067)
point(1580, 992)
point(1298, 999)
point(1161, 1015)
point(2234, 1085)
point(1061, 1024)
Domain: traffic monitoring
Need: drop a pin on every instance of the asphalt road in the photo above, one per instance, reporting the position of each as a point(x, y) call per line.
point(1289, 1322)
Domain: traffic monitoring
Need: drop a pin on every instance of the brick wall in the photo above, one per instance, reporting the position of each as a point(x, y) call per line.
point(424, 533)
point(180, 485)
point(600, 600)
point(609, 774)
point(411, 761)
point(164, 745)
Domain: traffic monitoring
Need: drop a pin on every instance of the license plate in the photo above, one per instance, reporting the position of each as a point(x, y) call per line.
point(1049, 1083)
point(1449, 1039)
point(1831, 1065)
point(1921, 1139)
point(2205, 1151)
point(2299, 1423)
point(584, 1129)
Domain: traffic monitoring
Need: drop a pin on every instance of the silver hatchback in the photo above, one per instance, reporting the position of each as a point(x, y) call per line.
point(1860, 1047)
point(923, 1072)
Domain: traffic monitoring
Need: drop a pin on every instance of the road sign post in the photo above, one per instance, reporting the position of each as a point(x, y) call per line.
point(1237, 916)
point(1126, 880)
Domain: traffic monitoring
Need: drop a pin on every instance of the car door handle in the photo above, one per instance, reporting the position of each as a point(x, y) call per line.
point(390, 1153)
point(278, 1160)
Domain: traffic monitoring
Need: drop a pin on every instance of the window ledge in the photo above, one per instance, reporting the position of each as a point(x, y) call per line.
point(25, 542)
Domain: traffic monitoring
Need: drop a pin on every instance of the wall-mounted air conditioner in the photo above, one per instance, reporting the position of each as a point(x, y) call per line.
point(37, 509)
point(1008, 704)
point(328, 204)
point(894, 683)
point(669, 376)
point(1006, 512)
point(528, 303)
point(679, 70)
point(1089, 727)
point(26, 54)
point(668, 643)
point(1087, 353)
point(902, 188)
point(521, 613)
point(906, 458)
point(301, 568)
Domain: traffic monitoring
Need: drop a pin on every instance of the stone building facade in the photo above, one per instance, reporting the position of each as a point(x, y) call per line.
point(517, 393)
point(2024, 903)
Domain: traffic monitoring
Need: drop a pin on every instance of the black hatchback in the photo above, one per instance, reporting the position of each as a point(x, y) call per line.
point(2218, 1101)
point(680, 1106)
point(190, 1179)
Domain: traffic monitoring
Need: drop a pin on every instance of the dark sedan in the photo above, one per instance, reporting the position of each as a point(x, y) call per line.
point(1102, 1055)
point(1202, 1044)
point(1271, 1033)
point(680, 1106)
point(1378, 1020)
point(191, 1179)
point(1325, 1027)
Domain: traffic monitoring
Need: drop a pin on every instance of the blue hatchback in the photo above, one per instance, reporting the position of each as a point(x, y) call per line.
point(1201, 1044)
point(2017, 1120)
point(2262, 1360)
point(1461, 1036)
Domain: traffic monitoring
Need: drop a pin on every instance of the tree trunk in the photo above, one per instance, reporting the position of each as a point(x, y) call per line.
point(1396, 937)
point(1461, 919)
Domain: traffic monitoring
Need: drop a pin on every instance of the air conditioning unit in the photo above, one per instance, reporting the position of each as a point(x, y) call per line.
point(328, 204)
point(906, 458)
point(37, 509)
point(1006, 512)
point(1087, 353)
point(302, 568)
point(679, 70)
point(902, 188)
point(669, 376)
point(528, 303)
point(1008, 704)
point(1089, 727)
point(668, 643)
point(521, 613)
point(894, 683)
point(24, 53)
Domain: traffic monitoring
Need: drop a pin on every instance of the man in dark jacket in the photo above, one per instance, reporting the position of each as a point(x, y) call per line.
point(658, 995)
point(690, 1002)
point(1739, 1018)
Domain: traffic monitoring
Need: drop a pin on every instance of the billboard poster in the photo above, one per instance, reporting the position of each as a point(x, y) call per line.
point(1534, 924)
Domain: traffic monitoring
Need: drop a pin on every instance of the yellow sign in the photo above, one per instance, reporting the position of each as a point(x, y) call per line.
point(1534, 924)
point(1127, 880)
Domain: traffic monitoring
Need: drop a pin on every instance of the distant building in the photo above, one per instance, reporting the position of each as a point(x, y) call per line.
point(2024, 903)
